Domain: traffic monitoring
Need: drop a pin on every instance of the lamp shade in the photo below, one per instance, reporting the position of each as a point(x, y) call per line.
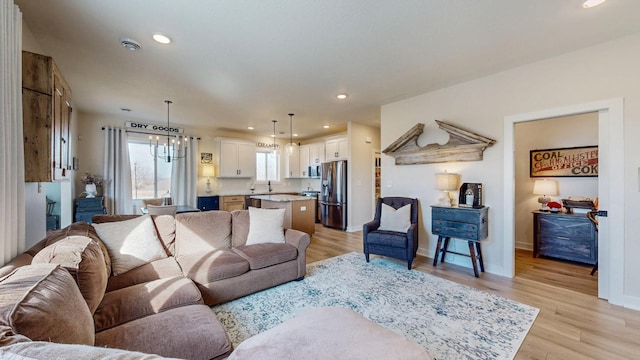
point(545, 187)
point(447, 182)
point(208, 171)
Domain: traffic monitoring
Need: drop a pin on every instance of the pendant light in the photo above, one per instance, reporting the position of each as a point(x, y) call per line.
point(171, 149)
point(274, 136)
point(291, 146)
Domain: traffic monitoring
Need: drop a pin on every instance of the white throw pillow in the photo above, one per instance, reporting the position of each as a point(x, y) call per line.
point(265, 226)
point(395, 220)
point(131, 243)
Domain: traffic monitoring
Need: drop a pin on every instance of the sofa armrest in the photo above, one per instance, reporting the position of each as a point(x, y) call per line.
point(301, 241)
point(371, 226)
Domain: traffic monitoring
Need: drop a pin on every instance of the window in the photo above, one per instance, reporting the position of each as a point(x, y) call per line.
point(150, 177)
point(267, 166)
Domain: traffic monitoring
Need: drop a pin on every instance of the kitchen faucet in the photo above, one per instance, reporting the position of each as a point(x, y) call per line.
point(269, 184)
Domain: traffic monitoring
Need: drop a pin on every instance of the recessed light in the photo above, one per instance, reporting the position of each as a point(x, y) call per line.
point(130, 44)
point(250, 127)
point(272, 135)
point(342, 96)
point(592, 3)
point(295, 135)
point(326, 126)
point(161, 39)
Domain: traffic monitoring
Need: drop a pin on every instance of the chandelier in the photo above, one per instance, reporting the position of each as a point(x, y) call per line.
point(171, 149)
point(291, 146)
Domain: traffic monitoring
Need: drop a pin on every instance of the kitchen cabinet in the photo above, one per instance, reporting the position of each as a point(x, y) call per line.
point(230, 203)
point(565, 236)
point(337, 149)
point(316, 154)
point(207, 203)
point(297, 166)
point(304, 161)
point(46, 106)
point(292, 163)
point(236, 159)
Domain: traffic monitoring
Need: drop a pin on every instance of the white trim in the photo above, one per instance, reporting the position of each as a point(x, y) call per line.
point(611, 170)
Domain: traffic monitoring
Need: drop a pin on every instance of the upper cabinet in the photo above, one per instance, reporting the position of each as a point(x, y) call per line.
point(337, 148)
point(236, 159)
point(316, 154)
point(297, 165)
point(292, 163)
point(46, 107)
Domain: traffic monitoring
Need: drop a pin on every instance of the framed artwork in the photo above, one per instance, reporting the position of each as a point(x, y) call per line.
point(206, 158)
point(564, 162)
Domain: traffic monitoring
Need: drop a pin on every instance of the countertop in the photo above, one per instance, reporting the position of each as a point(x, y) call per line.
point(281, 198)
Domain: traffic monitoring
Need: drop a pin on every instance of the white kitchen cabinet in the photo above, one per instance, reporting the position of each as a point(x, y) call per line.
point(337, 149)
point(236, 159)
point(292, 163)
point(304, 161)
point(316, 154)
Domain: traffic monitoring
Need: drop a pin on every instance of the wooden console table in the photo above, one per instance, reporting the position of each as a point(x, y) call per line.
point(460, 223)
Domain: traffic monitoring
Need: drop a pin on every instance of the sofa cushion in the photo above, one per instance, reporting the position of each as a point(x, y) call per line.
point(158, 269)
point(83, 259)
point(188, 332)
point(131, 243)
point(265, 226)
point(49, 350)
point(42, 302)
point(327, 334)
point(201, 232)
point(240, 227)
point(262, 255)
point(142, 300)
point(213, 266)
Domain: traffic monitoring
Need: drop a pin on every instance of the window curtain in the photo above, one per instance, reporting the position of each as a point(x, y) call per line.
point(117, 171)
point(12, 200)
point(184, 176)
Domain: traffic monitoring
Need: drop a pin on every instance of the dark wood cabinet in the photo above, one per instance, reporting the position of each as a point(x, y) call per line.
point(565, 236)
point(87, 207)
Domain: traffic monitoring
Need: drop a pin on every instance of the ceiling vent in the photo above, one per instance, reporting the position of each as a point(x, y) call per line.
point(130, 44)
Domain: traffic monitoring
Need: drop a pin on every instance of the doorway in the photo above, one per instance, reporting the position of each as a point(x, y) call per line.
point(580, 130)
point(611, 177)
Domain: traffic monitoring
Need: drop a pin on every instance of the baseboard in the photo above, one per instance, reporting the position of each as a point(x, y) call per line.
point(631, 302)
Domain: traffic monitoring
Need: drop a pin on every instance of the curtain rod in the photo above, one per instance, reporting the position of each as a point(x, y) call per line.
point(148, 133)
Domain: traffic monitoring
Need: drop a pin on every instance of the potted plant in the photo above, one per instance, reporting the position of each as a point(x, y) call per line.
point(91, 183)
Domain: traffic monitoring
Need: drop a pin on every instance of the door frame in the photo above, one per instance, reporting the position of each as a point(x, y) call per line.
point(610, 190)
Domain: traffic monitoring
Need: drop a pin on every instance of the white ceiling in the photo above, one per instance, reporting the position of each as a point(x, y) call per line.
point(235, 63)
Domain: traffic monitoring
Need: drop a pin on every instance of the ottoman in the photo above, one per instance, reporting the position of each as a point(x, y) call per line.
point(329, 333)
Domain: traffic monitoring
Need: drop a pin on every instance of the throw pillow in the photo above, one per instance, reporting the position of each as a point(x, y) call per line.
point(395, 219)
point(265, 226)
point(131, 243)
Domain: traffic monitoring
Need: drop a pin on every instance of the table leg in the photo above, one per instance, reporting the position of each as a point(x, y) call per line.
point(480, 258)
point(472, 252)
point(435, 257)
point(445, 247)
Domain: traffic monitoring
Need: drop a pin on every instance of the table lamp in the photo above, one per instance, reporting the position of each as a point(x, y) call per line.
point(209, 172)
point(446, 182)
point(545, 188)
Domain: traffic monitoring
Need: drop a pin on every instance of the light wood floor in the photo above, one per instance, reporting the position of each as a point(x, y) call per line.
point(572, 324)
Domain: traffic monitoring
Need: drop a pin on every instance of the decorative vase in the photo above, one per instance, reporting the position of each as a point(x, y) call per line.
point(90, 190)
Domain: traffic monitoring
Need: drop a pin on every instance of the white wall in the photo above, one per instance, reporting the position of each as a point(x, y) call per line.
point(567, 131)
point(601, 72)
point(363, 142)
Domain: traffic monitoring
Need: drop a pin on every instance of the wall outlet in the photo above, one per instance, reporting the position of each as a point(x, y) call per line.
point(303, 208)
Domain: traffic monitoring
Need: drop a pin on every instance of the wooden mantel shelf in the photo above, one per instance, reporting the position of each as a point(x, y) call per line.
point(463, 145)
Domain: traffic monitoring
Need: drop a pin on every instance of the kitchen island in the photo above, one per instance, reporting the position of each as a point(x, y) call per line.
point(299, 211)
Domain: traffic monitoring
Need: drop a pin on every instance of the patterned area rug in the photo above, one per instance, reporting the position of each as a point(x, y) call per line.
point(450, 320)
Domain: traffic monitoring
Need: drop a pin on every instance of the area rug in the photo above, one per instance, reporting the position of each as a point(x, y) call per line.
point(450, 320)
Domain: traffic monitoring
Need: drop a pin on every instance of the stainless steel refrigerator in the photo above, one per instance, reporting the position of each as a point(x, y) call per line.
point(333, 196)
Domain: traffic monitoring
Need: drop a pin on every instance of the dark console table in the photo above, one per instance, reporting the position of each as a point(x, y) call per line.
point(565, 236)
point(87, 207)
point(206, 203)
point(470, 224)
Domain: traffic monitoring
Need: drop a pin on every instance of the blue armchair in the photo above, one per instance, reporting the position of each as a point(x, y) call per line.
point(399, 245)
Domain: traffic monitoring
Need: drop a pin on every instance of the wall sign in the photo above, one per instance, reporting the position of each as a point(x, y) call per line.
point(206, 158)
point(152, 127)
point(564, 162)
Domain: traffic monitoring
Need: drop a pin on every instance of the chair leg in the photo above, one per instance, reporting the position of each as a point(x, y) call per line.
point(595, 268)
point(409, 264)
point(366, 255)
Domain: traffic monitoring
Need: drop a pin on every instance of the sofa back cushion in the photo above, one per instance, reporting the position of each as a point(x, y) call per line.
point(131, 243)
point(201, 232)
point(165, 227)
point(83, 259)
point(43, 303)
point(240, 225)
